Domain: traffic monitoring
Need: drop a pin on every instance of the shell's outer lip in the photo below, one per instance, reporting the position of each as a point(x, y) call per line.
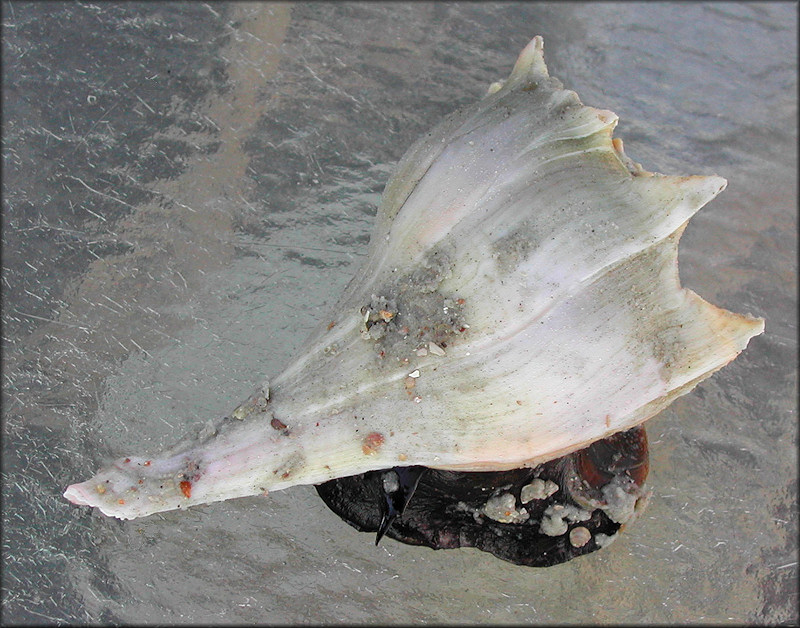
point(537, 266)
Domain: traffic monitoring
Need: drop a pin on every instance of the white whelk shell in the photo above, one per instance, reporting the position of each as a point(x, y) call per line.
point(535, 263)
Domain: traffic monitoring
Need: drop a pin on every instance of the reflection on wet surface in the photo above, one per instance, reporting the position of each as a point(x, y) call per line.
point(187, 187)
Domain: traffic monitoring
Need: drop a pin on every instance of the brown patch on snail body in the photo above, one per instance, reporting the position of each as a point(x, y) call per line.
point(621, 453)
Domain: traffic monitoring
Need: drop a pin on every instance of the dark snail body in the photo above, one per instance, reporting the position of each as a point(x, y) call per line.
point(448, 509)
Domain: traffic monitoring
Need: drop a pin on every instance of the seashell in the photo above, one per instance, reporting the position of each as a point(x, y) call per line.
point(520, 302)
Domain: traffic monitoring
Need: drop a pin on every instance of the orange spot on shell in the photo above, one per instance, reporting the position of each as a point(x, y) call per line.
point(372, 443)
point(147, 463)
point(121, 502)
point(186, 488)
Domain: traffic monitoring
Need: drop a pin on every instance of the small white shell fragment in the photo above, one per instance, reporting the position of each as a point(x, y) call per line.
point(603, 540)
point(422, 352)
point(552, 525)
point(414, 373)
point(435, 349)
point(537, 489)
point(257, 402)
point(620, 505)
point(391, 482)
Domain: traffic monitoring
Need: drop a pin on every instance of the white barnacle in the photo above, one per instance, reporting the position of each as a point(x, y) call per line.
point(503, 508)
point(579, 536)
point(537, 489)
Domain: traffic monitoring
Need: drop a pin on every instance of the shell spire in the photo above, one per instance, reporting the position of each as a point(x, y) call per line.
point(529, 68)
point(520, 300)
point(530, 62)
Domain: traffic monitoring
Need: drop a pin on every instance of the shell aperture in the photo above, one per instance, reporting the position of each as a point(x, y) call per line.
point(536, 517)
point(519, 302)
